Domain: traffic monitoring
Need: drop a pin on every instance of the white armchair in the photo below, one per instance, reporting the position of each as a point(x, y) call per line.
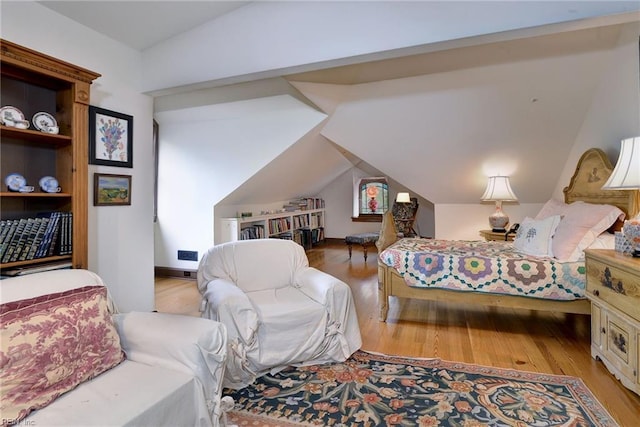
point(278, 311)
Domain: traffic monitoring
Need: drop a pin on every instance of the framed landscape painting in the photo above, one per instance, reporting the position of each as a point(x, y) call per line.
point(111, 190)
point(110, 138)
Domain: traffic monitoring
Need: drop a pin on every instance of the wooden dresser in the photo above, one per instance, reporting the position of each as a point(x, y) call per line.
point(613, 287)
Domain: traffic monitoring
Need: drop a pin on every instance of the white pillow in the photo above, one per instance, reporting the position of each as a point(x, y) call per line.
point(604, 241)
point(581, 224)
point(534, 236)
point(552, 207)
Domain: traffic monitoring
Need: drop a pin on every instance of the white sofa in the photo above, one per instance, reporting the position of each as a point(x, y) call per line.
point(167, 369)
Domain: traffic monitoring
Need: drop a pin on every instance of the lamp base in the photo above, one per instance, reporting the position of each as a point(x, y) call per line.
point(498, 220)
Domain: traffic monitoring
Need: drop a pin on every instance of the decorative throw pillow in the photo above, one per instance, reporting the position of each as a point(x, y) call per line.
point(534, 236)
point(581, 224)
point(50, 344)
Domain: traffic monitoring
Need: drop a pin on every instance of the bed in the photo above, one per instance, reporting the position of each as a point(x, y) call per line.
point(498, 273)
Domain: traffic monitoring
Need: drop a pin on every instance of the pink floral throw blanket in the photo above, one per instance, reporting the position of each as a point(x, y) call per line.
point(50, 344)
point(481, 266)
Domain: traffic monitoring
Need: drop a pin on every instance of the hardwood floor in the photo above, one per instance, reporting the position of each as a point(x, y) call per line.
point(517, 339)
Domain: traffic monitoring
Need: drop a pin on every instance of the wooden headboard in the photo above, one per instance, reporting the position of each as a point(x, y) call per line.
point(591, 173)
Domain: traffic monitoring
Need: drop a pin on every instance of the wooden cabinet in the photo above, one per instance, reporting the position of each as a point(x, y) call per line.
point(492, 235)
point(305, 227)
point(33, 82)
point(613, 287)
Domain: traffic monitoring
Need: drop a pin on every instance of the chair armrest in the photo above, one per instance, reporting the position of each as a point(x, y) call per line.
point(186, 344)
point(335, 295)
point(227, 303)
point(317, 284)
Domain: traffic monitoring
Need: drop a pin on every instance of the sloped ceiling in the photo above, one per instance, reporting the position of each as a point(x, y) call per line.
point(436, 95)
point(500, 108)
point(439, 123)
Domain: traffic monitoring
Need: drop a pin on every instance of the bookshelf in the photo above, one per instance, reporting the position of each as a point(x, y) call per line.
point(33, 82)
point(305, 227)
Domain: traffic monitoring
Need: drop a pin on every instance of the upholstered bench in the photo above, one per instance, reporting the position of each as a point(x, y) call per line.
point(364, 239)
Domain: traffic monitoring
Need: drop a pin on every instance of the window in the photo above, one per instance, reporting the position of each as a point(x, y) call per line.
point(373, 196)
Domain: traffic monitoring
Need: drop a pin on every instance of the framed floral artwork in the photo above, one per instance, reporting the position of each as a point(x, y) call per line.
point(110, 138)
point(111, 190)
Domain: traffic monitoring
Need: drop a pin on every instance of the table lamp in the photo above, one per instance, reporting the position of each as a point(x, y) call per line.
point(499, 190)
point(626, 176)
point(403, 198)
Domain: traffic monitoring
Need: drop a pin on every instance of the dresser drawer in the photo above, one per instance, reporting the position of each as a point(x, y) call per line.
point(620, 345)
point(617, 286)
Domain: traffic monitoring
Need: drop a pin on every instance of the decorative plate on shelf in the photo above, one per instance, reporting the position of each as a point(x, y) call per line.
point(43, 121)
point(49, 184)
point(11, 113)
point(15, 181)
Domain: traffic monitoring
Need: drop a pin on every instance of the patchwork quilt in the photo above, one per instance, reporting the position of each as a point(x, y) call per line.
point(484, 266)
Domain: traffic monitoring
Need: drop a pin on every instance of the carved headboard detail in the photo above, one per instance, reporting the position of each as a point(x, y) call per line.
point(591, 173)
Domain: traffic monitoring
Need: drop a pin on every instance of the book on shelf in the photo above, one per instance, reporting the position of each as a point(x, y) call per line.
point(252, 232)
point(52, 224)
point(21, 271)
point(52, 245)
point(44, 223)
point(29, 239)
point(13, 244)
point(8, 229)
point(36, 237)
point(308, 203)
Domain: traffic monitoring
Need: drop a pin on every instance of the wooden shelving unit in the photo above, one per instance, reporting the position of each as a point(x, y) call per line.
point(305, 227)
point(34, 82)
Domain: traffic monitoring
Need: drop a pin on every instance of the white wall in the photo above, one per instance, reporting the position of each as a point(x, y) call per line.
point(207, 152)
point(464, 221)
point(615, 111)
point(120, 238)
point(614, 115)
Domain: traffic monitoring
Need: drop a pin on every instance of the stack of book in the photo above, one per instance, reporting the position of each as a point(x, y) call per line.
point(43, 236)
point(252, 232)
point(307, 203)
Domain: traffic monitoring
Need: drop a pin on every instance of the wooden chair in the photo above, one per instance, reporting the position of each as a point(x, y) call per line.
point(404, 217)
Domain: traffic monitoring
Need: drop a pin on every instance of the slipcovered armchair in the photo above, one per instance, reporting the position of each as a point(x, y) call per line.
point(278, 311)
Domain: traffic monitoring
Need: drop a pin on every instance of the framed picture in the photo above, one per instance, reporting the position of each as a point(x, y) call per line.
point(111, 190)
point(110, 138)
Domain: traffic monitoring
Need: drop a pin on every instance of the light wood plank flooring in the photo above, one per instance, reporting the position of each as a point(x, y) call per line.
point(517, 339)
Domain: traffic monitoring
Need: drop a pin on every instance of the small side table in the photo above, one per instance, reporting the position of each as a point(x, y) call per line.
point(613, 287)
point(497, 236)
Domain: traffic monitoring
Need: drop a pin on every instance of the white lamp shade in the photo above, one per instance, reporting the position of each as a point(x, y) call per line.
point(403, 198)
point(626, 174)
point(499, 189)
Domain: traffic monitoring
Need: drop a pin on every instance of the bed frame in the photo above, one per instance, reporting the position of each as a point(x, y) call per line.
point(592, 171)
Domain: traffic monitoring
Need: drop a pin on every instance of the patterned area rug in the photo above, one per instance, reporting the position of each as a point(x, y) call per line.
point(377, 390)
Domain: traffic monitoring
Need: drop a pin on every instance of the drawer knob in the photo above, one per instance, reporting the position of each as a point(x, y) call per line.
point(603, 330)
point(596, 292)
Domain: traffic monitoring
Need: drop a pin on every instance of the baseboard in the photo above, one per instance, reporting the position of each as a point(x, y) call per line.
point(333, 240)
point(175, 272)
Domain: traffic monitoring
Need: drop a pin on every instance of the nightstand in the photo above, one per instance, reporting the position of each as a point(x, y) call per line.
point(492, 235)
point(613, 287)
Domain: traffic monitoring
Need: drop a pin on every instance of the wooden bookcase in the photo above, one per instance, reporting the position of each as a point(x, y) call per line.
point(34, 82)
point(304, 226)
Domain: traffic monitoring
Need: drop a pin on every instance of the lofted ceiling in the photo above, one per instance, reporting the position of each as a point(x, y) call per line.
point(468, 102)
point(142, 24)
